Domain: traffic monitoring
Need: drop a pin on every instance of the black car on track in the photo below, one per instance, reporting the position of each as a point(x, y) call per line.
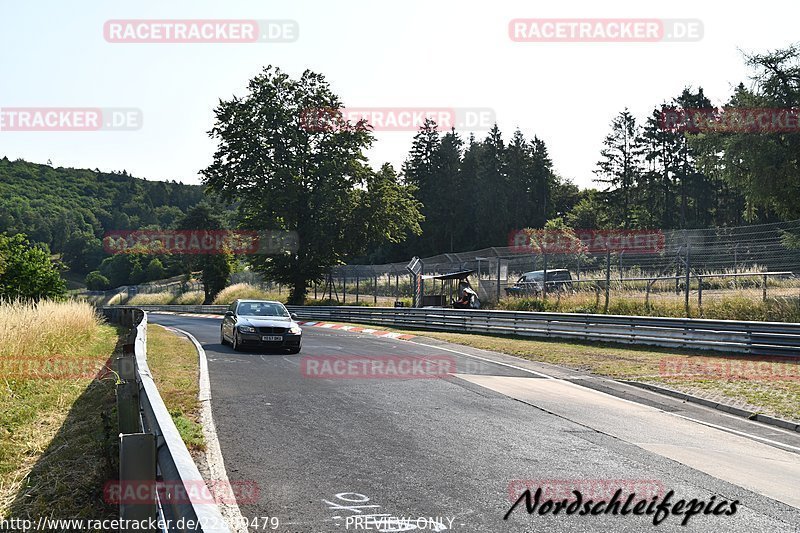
point(260, 323)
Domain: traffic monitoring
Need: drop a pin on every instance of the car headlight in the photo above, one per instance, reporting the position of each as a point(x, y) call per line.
point(295, 330)
point(247, 329)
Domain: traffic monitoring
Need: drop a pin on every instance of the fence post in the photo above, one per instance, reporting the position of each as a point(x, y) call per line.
point(544, 277)
point(344, 286)
point(358, 283)
point(375, 291)
point(688, 279)
point(647, 296)
point(608, 279)
point(498, 280)
point(699, 291)
point(765, 287)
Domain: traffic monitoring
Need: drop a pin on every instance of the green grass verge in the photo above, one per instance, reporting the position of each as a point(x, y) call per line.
point(174, 364)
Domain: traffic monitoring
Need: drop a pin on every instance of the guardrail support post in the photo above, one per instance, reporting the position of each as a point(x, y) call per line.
point(137, 477)
point(128, 407)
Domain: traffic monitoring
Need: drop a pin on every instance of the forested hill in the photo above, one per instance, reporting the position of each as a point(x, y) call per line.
point(69, 209)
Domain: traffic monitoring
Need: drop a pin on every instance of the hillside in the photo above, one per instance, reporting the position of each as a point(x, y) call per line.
point(69, 209)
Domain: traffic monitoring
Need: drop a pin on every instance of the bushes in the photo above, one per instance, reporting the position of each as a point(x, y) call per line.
point(245, 291)
point(27, 272)
point(95, 281)
point(155, 298)
point(190, 298)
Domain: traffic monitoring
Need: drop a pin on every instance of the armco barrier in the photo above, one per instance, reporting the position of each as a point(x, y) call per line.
point(746, 337)
point(150, 446)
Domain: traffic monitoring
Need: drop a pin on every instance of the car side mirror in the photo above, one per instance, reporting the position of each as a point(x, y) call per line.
point(294, 316)
point(228, 313)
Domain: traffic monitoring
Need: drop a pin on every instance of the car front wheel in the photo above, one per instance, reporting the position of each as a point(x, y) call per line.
point(235, 344)
point(222, 340)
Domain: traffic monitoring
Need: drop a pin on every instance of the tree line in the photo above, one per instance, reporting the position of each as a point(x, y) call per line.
point(271, 172)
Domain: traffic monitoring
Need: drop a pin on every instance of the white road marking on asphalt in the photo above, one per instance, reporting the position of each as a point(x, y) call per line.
point(737, 432)
point(482, 359)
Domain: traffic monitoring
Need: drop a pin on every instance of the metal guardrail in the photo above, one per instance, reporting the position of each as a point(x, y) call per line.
point(151, 448)
point(745, 337)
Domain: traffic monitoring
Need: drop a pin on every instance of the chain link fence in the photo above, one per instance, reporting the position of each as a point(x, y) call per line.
point(689, 268)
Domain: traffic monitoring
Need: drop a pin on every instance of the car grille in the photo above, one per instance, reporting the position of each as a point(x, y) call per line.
point(272, 330)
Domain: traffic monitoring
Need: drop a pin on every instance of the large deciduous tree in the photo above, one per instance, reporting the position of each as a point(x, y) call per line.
point(215, 267)
point(291, 162)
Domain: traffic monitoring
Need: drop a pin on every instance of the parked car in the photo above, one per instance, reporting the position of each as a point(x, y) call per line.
point(558, 279)
point(260, 323)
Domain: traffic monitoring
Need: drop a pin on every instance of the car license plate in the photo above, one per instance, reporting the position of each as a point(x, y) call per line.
point(270, 338)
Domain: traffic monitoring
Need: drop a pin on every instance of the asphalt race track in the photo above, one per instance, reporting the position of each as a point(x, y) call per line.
point(453, 453)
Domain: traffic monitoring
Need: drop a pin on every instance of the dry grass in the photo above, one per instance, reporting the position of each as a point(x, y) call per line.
point(154, 298)
point(57, 427)
point(46, 329)
point(190, 298)
point(247, 291)
point(739, 306)
point(174, 363)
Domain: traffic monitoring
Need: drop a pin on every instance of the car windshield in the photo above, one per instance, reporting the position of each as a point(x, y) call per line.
point(261, 309)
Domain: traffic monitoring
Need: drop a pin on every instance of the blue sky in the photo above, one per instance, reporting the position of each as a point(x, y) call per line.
point(375, 54)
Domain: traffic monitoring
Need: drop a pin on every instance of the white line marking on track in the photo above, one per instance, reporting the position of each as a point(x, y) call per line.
point(482, 359)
